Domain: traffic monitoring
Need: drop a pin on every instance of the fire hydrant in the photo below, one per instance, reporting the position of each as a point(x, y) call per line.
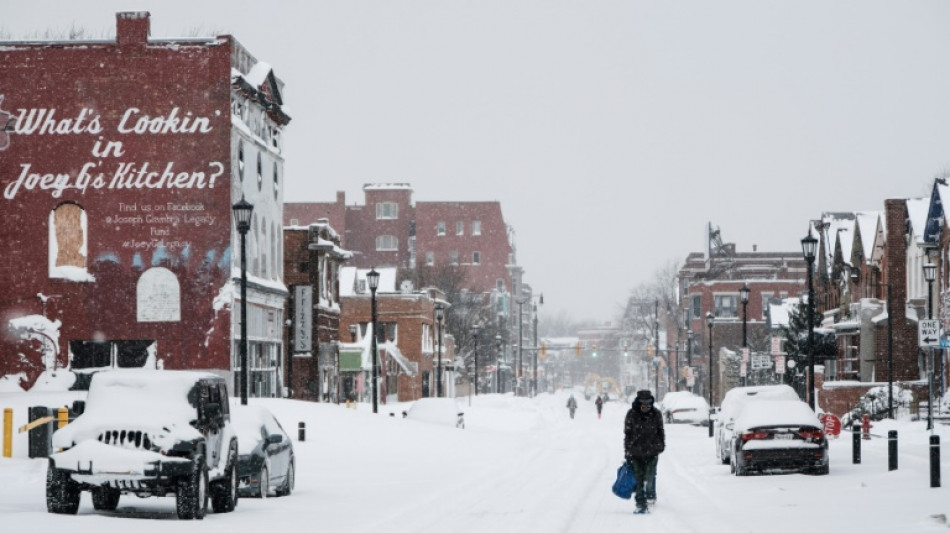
point(866, 427)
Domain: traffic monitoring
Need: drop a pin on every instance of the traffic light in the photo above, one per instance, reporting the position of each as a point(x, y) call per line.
point(626, 350)
point(543, 351)
point(593, 350)
point(577, 349)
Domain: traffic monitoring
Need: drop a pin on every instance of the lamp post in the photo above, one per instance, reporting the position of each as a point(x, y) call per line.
point(372, 278)
point(534, 375)
point(809, 246)
point(242, 219)
point(709, 324)
point(689, 355)
point(498, 364)
point(439, 315)
point(475, 329)
point(744, 298)
point(520, 302)
point(930, 274)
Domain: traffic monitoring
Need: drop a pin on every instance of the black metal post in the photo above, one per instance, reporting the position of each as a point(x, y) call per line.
point(301, 431)
point(243, 317)
point(518, 372)
point(498, 364)
point(890, 360)
point(856, 443)
point(709, 323)
point(438, 372)
point(375, 354)
point(892, 450)
point(935, 461)
point(475, 334)
point(689, 354)
point(811, 337)
point(534, 373)
point(930, 357)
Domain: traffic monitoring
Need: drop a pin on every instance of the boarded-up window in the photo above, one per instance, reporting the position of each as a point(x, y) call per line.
point(70, 236)
point(158, 296)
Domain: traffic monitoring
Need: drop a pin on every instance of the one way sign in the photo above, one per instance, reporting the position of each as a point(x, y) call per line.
point(928, 333)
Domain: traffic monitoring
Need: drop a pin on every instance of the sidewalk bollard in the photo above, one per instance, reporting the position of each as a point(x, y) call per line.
point(892, 450)
point(301, 431)
point(935, 460)
point(856, 444)
point(8, 432)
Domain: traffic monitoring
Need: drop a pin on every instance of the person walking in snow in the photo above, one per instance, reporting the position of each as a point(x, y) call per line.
point(571, 405)
point(599, 402)
point(643, 441)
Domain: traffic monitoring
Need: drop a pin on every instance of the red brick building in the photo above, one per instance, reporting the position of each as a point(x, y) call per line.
point(406, 318)
point(389, 229)
point(119, 163)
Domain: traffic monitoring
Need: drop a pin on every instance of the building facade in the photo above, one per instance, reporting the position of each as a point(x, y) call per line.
point(119, 162)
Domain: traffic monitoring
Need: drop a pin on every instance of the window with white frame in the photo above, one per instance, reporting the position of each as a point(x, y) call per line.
point(386, 243)
point(440, 228)
point(476, 258)
point(476, 227)
point(460, 228)
point(454, 257)
point(387, 211)
point(766, 298)
point(726, 305)
point(430, 258)
point(697, 306)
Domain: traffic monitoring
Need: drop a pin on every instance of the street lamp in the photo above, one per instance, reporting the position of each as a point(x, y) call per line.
point(744, 298)
point(498, 364)
point(809, 247)
point(930, 274)
point(475, 329)
point(242, 219)
point(372, 278)
point(439, 315)
point(534, 376)
point(709, 324)
point(689, 353)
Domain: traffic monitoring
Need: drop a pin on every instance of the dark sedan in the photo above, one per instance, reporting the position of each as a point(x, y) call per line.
point(779, 436)
point(266, 454)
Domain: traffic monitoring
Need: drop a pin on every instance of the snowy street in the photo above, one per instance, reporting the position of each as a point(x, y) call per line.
point(521, 465)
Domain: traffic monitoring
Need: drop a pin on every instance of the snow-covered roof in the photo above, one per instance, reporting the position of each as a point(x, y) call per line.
point(867, 224)
point(350, 278)
point(917, 209)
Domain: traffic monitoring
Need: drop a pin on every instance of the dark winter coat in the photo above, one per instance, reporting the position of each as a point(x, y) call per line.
point(643, 434)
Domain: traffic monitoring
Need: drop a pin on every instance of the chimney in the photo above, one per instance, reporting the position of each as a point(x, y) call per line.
point(132, 28)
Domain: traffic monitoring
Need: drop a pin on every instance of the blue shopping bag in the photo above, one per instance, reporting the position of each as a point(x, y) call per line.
point(626, 482)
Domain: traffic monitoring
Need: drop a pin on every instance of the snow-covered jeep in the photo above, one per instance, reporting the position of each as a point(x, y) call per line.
point(148, 433)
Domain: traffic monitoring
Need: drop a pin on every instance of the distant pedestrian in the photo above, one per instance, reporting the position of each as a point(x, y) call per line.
point(643, 441)
point(599, 402)
point(571, 405)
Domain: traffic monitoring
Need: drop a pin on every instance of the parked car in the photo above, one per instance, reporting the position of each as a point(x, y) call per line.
point(684, 407)
point(779, 436)
point(148, 433)
point(266, 462)
point(437, 410)
point(733, 403)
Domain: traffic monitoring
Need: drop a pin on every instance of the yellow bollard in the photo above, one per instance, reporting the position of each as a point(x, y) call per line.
point(63, 415)
point(347, 404)
point(8, 432)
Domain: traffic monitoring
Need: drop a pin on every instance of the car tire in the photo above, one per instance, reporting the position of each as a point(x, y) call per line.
point(62, 493)
point(732, 467)
point(224, 492)
point(288, 485)
point(821, 470)
point(105, 498)
point(263, 486)
point(191, 494)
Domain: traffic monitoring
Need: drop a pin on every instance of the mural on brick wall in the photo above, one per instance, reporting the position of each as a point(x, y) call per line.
point(116, 200)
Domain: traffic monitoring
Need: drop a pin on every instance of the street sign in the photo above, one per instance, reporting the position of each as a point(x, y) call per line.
point(745, 355)
point(928, 333)
point(761, 362)
point(832, 424)
point(776, 345)
point(945, 343)
point(742, 369)
point(779, 364)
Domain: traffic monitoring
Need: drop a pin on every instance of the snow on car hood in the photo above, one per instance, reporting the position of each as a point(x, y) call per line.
point(155, 402)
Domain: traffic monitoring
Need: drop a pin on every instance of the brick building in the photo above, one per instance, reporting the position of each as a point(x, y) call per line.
point(709, 283)
point(407, 319)
point(119, 163)
point(312, 261)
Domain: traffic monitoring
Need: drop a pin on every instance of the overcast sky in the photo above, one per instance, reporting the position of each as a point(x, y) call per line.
point(610, 131)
